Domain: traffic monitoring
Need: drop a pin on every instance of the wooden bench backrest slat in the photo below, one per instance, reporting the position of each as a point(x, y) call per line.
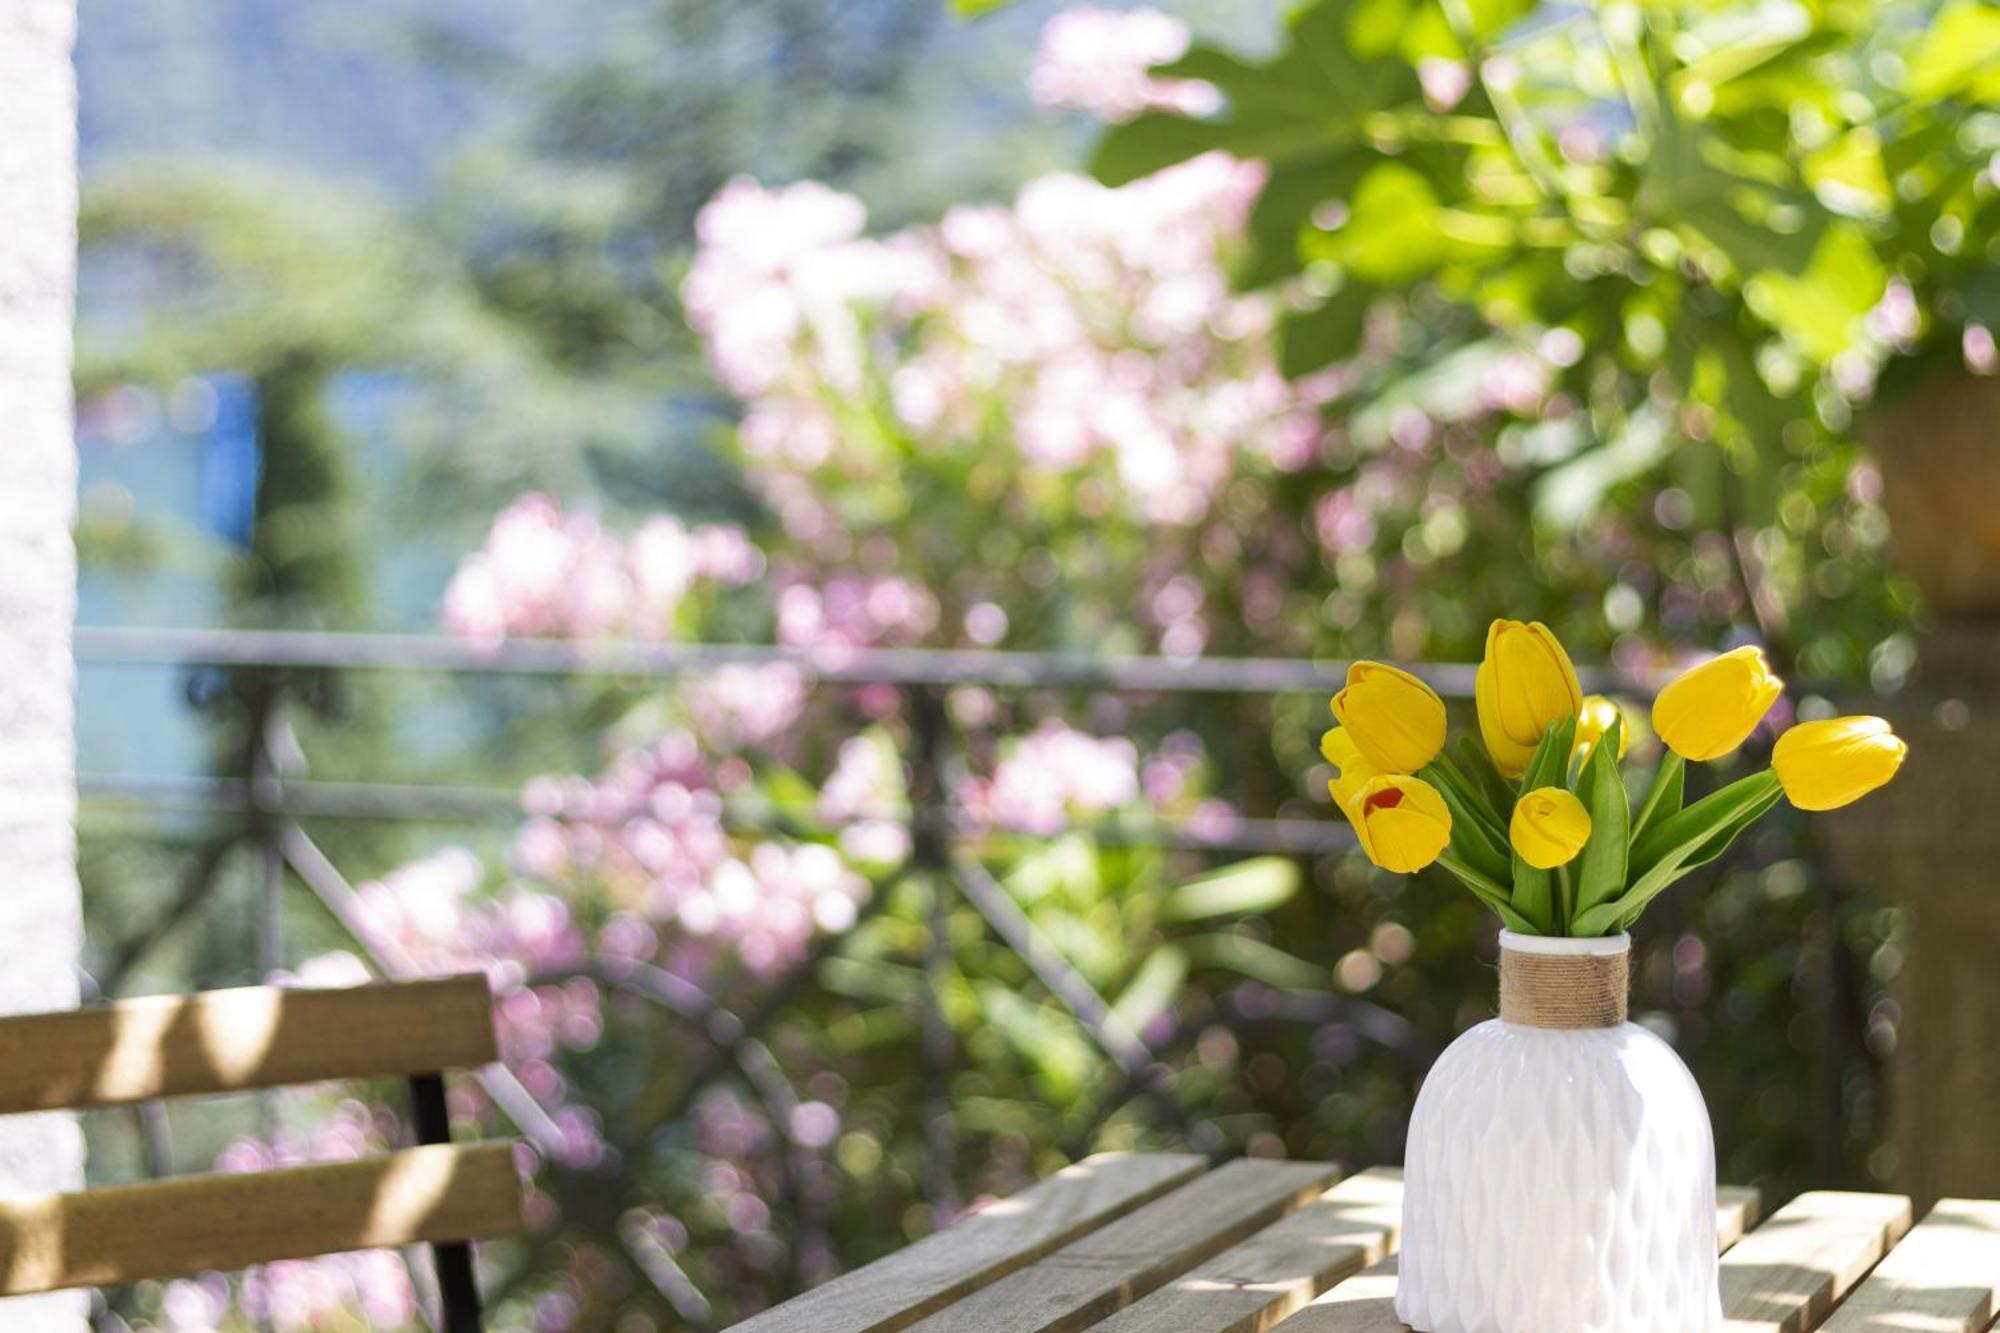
point(164, 1228)
point(234, 1040)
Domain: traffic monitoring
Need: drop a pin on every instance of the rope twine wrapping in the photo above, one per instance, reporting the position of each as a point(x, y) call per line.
point(1563, 991)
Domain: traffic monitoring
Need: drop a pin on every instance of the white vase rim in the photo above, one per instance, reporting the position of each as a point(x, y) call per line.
point(1590, 946)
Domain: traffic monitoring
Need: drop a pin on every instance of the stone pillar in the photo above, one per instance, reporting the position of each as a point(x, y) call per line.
point(40, 920)
point(1930, 841)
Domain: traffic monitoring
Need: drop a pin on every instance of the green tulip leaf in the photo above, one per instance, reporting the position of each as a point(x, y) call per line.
point(1472, 838)
point(1491, 892)
point(1534, 896)
point(1478, 765)
point(1703, 830)
point(1601, 868)
point(1679, 834)
point(1442, 772)
point(1664, 797)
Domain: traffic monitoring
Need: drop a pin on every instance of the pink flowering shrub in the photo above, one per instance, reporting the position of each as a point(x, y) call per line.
point(544, 573)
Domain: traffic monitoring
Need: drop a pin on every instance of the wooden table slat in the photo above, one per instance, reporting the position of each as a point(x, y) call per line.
point(1257, 1283)
point(1787, 1274)
point(898, 1290)
point(1108, 1269)
point(1944, 1277)
point(1737, 1208)
point(1366, 1303)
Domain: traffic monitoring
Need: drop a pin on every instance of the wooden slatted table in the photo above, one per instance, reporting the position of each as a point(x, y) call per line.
point(1158, 1243)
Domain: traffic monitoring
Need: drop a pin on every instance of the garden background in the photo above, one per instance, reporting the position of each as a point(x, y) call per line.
point(811, 539)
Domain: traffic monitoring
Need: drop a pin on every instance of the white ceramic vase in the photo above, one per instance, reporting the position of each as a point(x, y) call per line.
point(1559, 1179)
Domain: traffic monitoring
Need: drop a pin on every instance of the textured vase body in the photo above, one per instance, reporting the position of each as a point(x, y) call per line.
point(1559, 1181)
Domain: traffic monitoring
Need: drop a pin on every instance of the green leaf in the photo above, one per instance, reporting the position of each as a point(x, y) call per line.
point(1330, 331)
point(1255, 959)
point(1821, 310)
point(1601, 867)
point(1442, 770)
point(1533, 895)
point(1663, 797)
point(973, 8)
point(1153, 142)
point(1679, 834)
point(1154, 988)
point(1470, 836)
point(1704, 830)
point(1046, 1038)
point(1489, 891)
point(1284, 212)
point(1256, 885)
point(1963, 43)
point(1479, 767)
point(1311, 99)
point(1393, 234)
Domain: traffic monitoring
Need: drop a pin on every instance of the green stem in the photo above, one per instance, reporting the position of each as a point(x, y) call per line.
point(1489, 891)
point(1478, 880)
point(1565, 899)
point(1671, 767)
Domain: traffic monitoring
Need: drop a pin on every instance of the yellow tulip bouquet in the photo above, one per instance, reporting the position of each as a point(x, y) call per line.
point(1536, 821)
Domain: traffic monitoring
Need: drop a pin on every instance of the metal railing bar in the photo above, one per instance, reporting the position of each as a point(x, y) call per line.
point(484, 805)
point(332, 889)
point(107, 645)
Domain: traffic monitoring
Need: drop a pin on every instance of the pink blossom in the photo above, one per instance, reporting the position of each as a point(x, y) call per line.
point(544, 573)
point(1099, 60)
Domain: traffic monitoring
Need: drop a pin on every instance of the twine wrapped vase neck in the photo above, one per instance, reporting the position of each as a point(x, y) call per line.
point(1564, 984)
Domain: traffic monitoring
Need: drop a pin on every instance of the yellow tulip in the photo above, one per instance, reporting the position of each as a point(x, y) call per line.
point(1525, 683)
point(1549, 827)
point(1402, 822)
point(1709, 710)
point(1396, 720)
point(1824, 765)
point(1352, 770)
point(1592, 722)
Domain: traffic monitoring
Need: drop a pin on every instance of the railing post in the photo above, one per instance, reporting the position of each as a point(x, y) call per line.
point(930, 858)
point(458, 1289)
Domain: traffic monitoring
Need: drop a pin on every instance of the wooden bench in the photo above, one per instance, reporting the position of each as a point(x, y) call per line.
point(238, 1040)
point(1160, 1243)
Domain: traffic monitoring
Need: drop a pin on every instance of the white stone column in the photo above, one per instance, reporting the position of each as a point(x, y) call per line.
point(40, 917)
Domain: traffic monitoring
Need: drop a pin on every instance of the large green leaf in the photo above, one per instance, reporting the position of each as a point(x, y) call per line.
point(1284, 210)
point(1392, 236)
point(1330, 331)
point(1256, 885)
